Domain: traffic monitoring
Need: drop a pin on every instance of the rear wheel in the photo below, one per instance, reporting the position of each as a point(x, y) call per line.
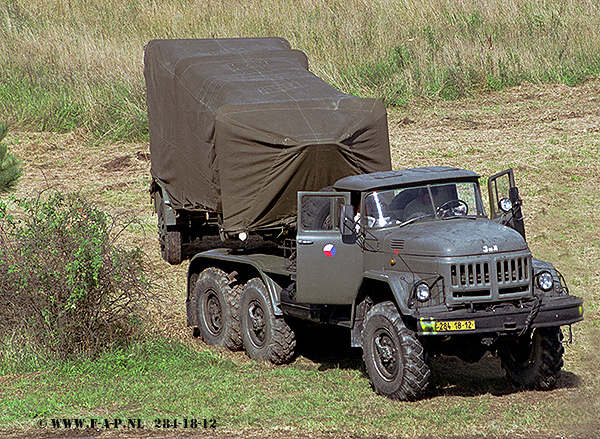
point(265, 336)
point(217, 308)
point(170, 240)
point(534, 360)
point(393, 356)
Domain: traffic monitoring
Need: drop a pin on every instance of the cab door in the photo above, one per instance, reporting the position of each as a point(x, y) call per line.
point(328, 271)
point(505, 202)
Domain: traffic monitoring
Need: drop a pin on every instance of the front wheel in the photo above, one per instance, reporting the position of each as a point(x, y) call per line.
point(393, 356)
point(534, 361)
point(265, 336)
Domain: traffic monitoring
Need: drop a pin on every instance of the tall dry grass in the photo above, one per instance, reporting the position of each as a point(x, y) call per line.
point(72, 63)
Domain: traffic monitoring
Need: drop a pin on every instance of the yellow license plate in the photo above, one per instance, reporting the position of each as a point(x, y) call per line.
point(464, 325)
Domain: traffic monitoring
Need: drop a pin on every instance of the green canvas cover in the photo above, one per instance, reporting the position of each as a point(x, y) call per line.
point(239, 126)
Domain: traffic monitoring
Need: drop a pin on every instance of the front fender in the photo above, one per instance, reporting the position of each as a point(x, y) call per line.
point(381, 286)
point(400, 284)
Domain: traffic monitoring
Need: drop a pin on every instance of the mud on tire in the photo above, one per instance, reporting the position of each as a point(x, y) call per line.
point(217, 309)
point(264, 335)
point(393, 356)
point(534, 361)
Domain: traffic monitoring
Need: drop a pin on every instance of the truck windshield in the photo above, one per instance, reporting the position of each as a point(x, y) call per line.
point(438, 202)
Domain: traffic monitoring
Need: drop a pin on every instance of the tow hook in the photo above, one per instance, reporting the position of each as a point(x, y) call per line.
point(570, 340)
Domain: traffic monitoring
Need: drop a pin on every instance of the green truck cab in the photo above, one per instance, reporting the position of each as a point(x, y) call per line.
point(411, 264)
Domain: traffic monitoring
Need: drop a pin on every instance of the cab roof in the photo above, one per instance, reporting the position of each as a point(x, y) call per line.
point(403, 177)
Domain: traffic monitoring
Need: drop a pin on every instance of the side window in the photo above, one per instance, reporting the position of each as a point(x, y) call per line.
point(499, 186)
point(320, 212)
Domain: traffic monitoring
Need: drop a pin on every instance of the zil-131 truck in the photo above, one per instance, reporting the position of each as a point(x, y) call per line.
point(246, 142)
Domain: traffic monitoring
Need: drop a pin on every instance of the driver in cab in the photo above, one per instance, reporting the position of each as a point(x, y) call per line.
point(422, 205)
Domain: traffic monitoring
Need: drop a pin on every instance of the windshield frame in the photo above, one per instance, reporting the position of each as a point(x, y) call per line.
point(381, 202)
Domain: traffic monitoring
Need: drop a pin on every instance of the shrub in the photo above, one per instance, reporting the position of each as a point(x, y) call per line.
point(64, 281)
point(10, 171)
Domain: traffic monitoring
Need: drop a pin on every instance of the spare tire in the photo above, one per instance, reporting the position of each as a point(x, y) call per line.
point(316, 212)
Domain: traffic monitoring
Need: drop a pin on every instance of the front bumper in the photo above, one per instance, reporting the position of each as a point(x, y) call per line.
point(500, 319)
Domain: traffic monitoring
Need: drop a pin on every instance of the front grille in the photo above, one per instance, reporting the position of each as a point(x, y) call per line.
point(480, 280)
point(512, 270)
point(475, 274)
point(471, 293)
point(514, 290)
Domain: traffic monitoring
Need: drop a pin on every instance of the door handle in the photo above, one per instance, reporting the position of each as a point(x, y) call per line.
point(304, 242)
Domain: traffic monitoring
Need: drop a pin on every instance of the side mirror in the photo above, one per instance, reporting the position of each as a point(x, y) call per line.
point(347, 220)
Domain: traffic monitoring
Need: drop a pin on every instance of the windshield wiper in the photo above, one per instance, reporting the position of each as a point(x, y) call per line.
point(459, 216)
point(412, 220)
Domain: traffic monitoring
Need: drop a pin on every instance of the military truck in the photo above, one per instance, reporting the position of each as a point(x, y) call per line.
point(407, 260)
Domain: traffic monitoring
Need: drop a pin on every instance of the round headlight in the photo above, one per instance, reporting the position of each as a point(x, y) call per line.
point(505, 204)
point(545, 281)
point(422, 292)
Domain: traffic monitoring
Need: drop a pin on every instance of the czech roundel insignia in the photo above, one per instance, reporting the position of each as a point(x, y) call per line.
point(329, 250)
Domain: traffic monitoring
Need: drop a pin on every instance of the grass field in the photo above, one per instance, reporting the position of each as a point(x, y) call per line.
point(550, 135)
point(74, 63)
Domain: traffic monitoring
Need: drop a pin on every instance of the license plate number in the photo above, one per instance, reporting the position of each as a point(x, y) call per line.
point(464, 325)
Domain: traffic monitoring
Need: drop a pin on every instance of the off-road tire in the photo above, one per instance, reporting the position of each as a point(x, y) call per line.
point(217, 309)
point(393, 356)
point(265, 336)
point(171, 247)
point(170, 240)
point(315, 212)
point(535, 360)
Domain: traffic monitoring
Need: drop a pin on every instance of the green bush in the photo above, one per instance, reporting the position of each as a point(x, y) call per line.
point(64, 281)
point(10, 171)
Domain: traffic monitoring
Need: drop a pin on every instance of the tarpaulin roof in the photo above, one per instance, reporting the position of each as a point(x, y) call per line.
point(240, 125)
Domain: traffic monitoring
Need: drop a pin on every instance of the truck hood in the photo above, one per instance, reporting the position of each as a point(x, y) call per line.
point(454, 237)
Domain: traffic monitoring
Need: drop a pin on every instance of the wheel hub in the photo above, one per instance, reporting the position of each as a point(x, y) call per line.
point(257, 322)
point(215, 317)
point(386, 354)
